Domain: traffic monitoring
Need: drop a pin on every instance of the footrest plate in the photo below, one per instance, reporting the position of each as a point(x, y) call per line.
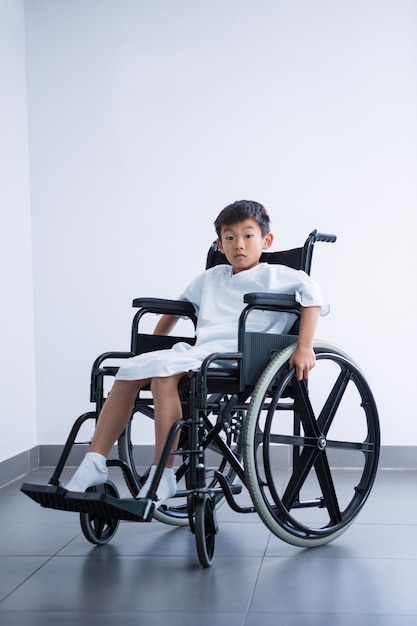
point(96, 504)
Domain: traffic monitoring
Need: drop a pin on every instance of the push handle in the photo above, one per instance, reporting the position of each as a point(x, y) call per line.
point(328, 238)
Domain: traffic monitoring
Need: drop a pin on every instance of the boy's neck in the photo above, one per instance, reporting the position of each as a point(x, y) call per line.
point(238, 270)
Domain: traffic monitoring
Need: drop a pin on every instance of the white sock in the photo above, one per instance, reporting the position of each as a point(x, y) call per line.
point(166, 488)
point(92, 472)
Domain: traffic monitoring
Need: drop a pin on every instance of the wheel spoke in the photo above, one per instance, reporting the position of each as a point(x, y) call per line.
point(305, 410)
point(300, 472)
point(293, 440)
point(365, 446)
point(99, 524)
point(329, 410)
point(327, 487)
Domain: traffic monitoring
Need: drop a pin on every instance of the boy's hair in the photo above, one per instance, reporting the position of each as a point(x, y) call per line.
point(242, 210)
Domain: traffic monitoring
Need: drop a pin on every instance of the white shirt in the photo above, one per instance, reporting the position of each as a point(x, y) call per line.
point(217, 295)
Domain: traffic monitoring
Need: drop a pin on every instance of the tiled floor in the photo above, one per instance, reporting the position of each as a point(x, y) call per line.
point(149, 574)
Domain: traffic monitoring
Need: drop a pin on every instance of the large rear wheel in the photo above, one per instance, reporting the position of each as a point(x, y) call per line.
point(311, 448)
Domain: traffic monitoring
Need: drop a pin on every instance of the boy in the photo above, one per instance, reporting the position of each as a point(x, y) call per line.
point(217, 295)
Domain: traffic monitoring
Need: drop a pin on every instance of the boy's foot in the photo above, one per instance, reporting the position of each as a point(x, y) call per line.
point(92, 472)
point(166, 488)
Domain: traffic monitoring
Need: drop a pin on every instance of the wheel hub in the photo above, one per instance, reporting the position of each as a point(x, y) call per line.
point(321, 443)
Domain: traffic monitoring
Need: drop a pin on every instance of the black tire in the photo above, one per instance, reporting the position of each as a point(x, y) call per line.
point(205, 528)
point(100, 530)
point(175, 512)
point(294, 467)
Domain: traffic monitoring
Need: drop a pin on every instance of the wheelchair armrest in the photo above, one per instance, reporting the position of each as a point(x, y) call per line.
point(98, 372)
point(280, 302)
point(160, 305)
point(110, 355)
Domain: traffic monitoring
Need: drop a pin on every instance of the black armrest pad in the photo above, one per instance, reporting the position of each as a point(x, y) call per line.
point(110, 355)
point(278, 301)
point(160, 305)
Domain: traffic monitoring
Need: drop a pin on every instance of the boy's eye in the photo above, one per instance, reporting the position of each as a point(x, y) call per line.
point(249, 236)
point(229, 238)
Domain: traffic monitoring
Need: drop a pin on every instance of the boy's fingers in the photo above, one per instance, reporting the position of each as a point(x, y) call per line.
point(301, 372)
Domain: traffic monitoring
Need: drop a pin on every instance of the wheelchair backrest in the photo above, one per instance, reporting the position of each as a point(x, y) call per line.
point(260, 348)
point(297, 258)
point(292, 258)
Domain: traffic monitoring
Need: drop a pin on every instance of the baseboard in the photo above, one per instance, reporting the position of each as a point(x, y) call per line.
point(391, 457)
point(18, 466)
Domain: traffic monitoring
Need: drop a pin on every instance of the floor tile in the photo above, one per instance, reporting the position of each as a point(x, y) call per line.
point(328, 619)
point(390, 508)
point(15, 571)
point(20, 538)
point(134, 584)
point(352, 586)
point(359, 541)
point(23, 618)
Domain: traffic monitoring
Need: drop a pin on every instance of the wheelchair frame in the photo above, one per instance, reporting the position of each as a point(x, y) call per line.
point(260, 425)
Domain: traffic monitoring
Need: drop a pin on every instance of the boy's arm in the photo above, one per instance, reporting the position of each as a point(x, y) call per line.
point(165, 324)
point(304, 359)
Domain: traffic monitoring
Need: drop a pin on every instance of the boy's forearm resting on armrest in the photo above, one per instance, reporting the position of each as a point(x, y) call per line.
point(166, 324)
point(304, 359)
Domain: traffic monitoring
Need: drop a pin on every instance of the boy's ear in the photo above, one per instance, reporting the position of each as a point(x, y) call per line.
point(219, 245)
point(268, 239)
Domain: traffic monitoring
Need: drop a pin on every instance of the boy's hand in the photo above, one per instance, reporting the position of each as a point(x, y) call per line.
point(303, 360)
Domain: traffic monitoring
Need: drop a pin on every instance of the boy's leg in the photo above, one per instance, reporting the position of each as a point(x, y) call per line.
point(168, 410)
point(114, 417)
point(112, 420)
point(115, 414)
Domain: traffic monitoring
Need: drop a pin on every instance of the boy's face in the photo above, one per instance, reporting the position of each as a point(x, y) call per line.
point(243, 243)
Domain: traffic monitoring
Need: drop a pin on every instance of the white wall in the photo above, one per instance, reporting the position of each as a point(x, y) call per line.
point(17, 361)
point(146, 118)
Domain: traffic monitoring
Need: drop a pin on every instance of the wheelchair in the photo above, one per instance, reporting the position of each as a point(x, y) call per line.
point(246, 422)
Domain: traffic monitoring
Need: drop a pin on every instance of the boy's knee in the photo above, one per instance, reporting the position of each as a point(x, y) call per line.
point(125, 387)
point(160, 383)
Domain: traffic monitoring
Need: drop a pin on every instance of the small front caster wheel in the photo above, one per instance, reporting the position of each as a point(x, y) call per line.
point(205, 527)
point(100, 530)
